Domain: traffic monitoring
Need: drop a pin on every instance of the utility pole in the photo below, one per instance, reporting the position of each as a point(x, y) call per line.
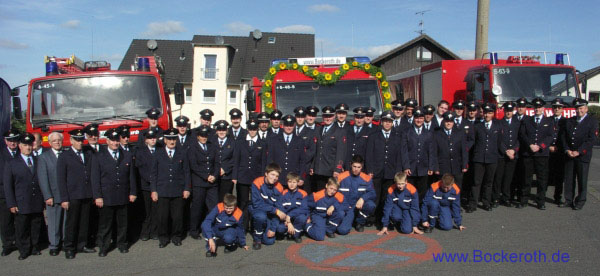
point(483, 22)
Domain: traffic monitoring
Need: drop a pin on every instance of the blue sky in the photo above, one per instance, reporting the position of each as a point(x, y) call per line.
point(103, 30)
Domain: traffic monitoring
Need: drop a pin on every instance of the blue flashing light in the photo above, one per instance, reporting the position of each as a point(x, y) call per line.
point(363, 60)
point(279, 60)
point(51, 68)
point(143, 64)
point(493, 58)
point(560, 58)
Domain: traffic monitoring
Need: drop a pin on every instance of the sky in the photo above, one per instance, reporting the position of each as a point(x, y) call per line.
point(103, 30)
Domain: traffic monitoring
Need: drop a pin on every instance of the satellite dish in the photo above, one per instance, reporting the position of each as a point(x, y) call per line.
point(219, 40)
point(152, 44)
point(257, 34)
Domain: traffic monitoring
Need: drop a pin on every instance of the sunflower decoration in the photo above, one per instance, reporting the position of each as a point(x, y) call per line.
point(269, 105)
point(337, 72)
point(379, 75)
point(315, 72)
point(388, 106)
point(304, 68)
point(327, 77)
point(282, 66)
point(367, 66)
point(384, 84)
point(355, 63)
point(268, 83)
point(346, 67)
point(387, 95)
point(267, 95)
point(295, 66)
point(272, 70)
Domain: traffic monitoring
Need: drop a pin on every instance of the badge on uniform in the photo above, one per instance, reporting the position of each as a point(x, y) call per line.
point(259, 147)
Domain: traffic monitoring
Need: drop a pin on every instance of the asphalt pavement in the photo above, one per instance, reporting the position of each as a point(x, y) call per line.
point(526, 234)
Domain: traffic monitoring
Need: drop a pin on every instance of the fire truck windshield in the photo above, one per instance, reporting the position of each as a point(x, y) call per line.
point(530, 82)
point(90, 98)
point(354, 93)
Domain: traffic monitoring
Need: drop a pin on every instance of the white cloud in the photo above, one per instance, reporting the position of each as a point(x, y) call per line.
point(157, 29)
point(239, 28)
point(466, 53)
point(9, 44)
point(71, 24)
point(305, 29)
point(323, 8)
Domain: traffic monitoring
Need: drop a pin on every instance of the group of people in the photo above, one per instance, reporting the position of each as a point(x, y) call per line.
point(292, 175)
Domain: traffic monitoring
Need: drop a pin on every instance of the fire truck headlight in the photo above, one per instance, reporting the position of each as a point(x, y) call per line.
point(497, 90)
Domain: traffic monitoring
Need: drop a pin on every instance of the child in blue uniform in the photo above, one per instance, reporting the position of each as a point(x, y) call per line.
point(401, 207)
point(224, 222)
point(266, 215)
point(359, 195)
point(442, 203)
point(293, 203)
point(326, 211)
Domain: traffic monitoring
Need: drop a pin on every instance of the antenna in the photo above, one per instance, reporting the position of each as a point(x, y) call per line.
point(421, 30)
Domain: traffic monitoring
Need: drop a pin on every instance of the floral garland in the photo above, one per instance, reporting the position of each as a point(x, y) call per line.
point(324, 79)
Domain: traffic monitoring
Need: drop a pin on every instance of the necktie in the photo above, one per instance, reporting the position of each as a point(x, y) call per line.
point(427, 126)
point(387, 135)
point(12, 153)
point(115, 155)
point(58, 153)
point(325, 129)
point(456, 121)
point(395, 123)
point(170, 154)
point(487, 126)
point(264, 134)
point(418, 131)
point(537, 120)
point(80, 157)
point(30, 163)
point(297, 131)
point(448, 132)
point(235, 134)
point(250, 143)
point(556, 120)
point(356, 130)
point(151, 151)
point(182, 140)
point(410, 120)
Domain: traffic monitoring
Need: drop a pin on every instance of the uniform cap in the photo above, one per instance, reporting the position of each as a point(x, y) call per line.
point(221, 125)
point(429, 109)
point(370, 111)
point(418, 112)
point(558, 102)
point(312, 110)
point(300, 111)
point(252, 124)
point(124, 130)
point(202, 131)
point(171, 133)
point(488, 107)
point(579, 102)
point(276, 114)
point(359, 112)
point(342, 107)
point(288, 120)
point(112, 134)
point(449, 116)
point(471, 106)
point(397, 105)
point(328, 110)
point(91, 129)
point(151, 134)
point(509, 106)
point(410, 102)
point(387, 115)
point(206, 114)
point(235, 113)
point(12, 135)
point(460, 104)
point(153, 113)
point(262, 117)
point(181, 121)
point(538, 102)
point(522, 102)
point(27, 138)
point(77, 134)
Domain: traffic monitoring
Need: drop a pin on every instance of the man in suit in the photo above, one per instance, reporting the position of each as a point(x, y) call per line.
point(224, 159)
point(113, 187)
point(420, 158)
point(125, 135)
point(330, 151)
point(144, 160)
point(357, 137)
point(442, 108)
point(308, 132)
point(263, 125)
point(487, 149)
point(409, 105)
point(236, 131)
point(24, 198)
point(458, 107)
point(153, 115)
point(556, 172)
point(47, 177)
point(275, 128)
point(341, 112)
point(502, 189)
point(37, 145)
point(578, 139)
point(184, 136)
point(369, 115)
point(206, 120)
point(428, 123)
point(92, 135)
point(451, 150)
point(398, 109)
point(170, 184)
point(73, 170)
point(203, 169)
point(536, 135)
point(7, 219)
point(287, 151)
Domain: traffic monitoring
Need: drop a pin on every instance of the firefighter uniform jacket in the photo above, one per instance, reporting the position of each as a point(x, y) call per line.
point(202, 163)
point(421, 155)
point(290, 157)
point(384, 156)
point(331, 150)
point(113, 180)
point(451, 151)
point(170, 176)
point(541, 134)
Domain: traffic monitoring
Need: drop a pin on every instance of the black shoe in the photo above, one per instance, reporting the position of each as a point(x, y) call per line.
point(102, 253)
point(559, 202)
point(23, 257)
point(369, 224)
point(520, 205)
point(360, 228)
point(495, 204)
point(470, 210)
point(256, 245)
point(6, 251)
point(541, 206)
point(154, 238)
point(162, 245)
point(87, 250)
point(575, 207)
point(177, 243)
point(210, 254)
point(228, 249)
point(298, 239)
point(567, 205)
point(195, 236)
point(70, 254)
point(487, 208)
point(429, 229)
point(144, 238)
point(507, 203)
point(330, 235)
point(123, 250)
point(36, 252)
point(54, 252)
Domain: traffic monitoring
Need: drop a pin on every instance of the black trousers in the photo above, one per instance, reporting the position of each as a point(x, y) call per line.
point(421, 183)
point(243, 199)
point(77, 223)
point(503, 179)
point(483, 178)
point(539, 166)
point(203, 198)
point(576, 170)
point(320, 182)
point(170, 207)
point(108, 214)
point(28, 228)
point(556, 173)
point(518, 179)
point(7, 225)
point(225, 187)
point(380, 185)
point(93, 239)
point(150, 224)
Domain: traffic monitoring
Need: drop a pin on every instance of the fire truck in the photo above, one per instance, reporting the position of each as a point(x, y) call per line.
point(320, 81)
point(74, 94)
point(514, 75)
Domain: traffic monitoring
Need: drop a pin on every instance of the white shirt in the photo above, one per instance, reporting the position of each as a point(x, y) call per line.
point(310, 126)
point(172, 151)
point(439, 119)
point(181, 138)
point(419, 130)
point(581, 119)
point(386, 134)
point(202, 146)
point(488, 125)
point(25, 157)
point(37, 152)
point(287, 138)
point(12, 152)
point(56, 152)
point(152, 149)
point(222, 141)
point(81, 155)
point(112, 153)
point(235, 131)
point(253, 139)
point(95, 146)
point(275, 130)
point(263, 134)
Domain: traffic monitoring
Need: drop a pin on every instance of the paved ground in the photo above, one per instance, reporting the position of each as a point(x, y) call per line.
point(511, 230)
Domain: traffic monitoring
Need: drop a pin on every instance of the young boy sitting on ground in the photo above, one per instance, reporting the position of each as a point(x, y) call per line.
point(359, 194)
point(401, 207)
point(224, 222)
point(442, 202)
point(293, 203)
point(326, 211)
point(266, 216)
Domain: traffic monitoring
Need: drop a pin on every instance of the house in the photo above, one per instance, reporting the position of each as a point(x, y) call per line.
point(593, 85)
point(217, 70)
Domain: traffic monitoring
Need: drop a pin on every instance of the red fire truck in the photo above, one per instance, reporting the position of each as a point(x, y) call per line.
point(74, 94)
point(320, 82)
point(519, 74)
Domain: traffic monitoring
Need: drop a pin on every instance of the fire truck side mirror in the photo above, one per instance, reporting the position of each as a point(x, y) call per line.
point(178, 91)
point(250, 100)
point(16, 101)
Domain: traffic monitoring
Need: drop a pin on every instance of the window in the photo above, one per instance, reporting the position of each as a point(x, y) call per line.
point(210, 67)
point(232, 97)
point(209, 96)
point(272, 40)
point(188, 95)
point(423, 54)
point(594, 97)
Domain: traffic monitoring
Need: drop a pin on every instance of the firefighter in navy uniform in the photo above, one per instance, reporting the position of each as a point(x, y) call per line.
point(249, 162)
point(451, 150)
point(468, 126)
point(409, 105)
point(400, 123)
point(92, 134)
point(536, 135)
point(458, 107)
point(438, 118)
point(73, 174)
point(203, 171)
point(124, 136)
point(287, 151)
point(7, 219)
point(309, 134)
point(487, 150)
point(502, 189)
point(369, 115)
point(113, 187)
point(144, 158)
point(153, 114)
point(275, 118)
point(420, 159)
point(206, 120)
point(428, 123)
point(331, 150)
point(184, 136)
point(224, 158)
point(24, 197)
point(556, 172)
point(578, 140)
point(263, 126)
point(341, 112)
point(522, 105)
point(170, 184)
point(236, 131)
point(357, 137)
